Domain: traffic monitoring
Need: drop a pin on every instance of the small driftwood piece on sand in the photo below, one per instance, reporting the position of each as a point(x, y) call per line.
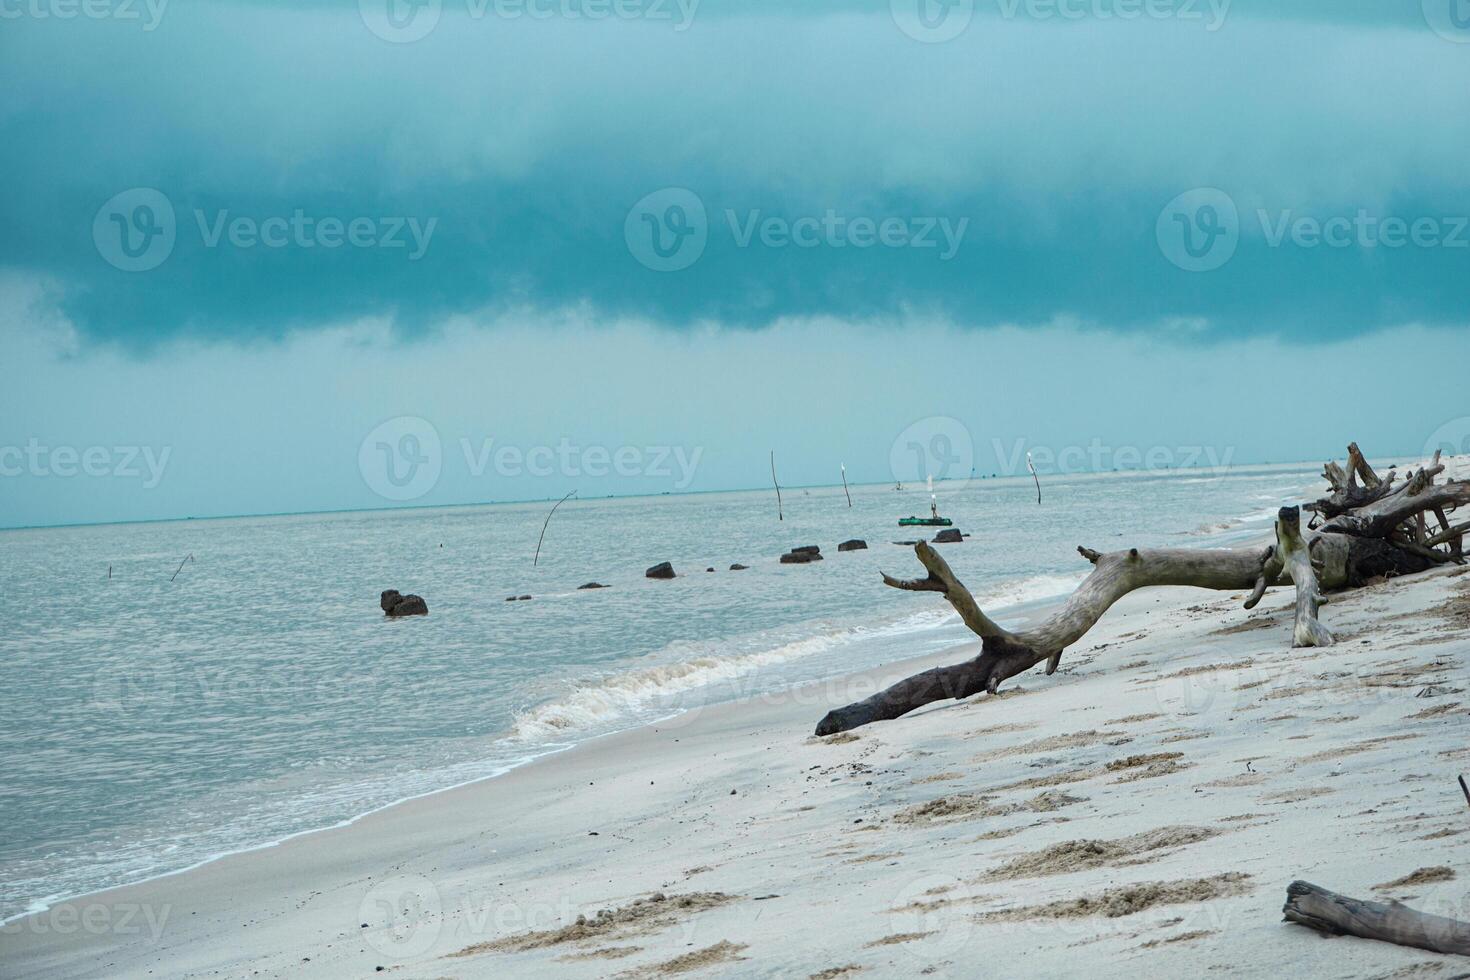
point(1371, 540)
point(1390, 922)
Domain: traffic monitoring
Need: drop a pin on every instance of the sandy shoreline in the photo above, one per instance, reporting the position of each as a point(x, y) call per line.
point(1206, 761)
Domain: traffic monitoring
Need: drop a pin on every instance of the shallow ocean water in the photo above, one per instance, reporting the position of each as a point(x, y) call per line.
point(147, 725)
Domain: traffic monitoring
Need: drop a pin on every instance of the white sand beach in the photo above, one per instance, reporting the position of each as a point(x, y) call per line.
point(1140, 813)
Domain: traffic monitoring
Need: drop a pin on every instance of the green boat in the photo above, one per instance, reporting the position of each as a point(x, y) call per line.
point(924, 522)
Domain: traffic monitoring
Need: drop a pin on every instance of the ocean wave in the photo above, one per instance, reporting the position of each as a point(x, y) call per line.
point(632, 694)
point(629, 693)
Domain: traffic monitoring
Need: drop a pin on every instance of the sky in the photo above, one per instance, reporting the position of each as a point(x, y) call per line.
point(293, 256)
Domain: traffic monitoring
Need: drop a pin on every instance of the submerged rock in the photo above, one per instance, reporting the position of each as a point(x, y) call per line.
point(662, 570)
point(408, 605)
point(856, 544)
point(737, 567)
point(800, 557)
point(591, 585)
point(950, 535)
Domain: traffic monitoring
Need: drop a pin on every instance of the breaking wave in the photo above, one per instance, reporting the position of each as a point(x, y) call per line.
point(654, 689)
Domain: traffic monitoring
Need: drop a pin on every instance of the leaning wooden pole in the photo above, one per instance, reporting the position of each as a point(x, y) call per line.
point(779, 515)
point(536, 560)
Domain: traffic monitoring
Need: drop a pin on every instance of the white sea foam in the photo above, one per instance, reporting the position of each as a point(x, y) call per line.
point(631, 694)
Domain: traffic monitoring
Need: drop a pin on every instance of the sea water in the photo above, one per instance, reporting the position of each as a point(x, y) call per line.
point(157, 712)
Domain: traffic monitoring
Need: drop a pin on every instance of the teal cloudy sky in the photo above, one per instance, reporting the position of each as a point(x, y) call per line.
point(251, 234)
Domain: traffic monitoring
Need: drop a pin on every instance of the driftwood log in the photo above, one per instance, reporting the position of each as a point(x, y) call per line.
point(1390, 922)
point(1381, 536)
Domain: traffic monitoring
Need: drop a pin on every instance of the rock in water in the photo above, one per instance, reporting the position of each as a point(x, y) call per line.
point(800, 557)
point(950, 535)
point(856, 544)
point(592, 585)
point(662, 570)
point(390, 598)
point(409, 605)
point(737, 567)
point(807, 549)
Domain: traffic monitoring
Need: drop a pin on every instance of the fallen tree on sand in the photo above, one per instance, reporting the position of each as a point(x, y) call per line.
point(1370, 529)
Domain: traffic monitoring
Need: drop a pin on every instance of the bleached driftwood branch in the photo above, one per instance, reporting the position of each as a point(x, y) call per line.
point(1391, 922)
point(1005, 654)
point(1383, 534)
point(1297, 562)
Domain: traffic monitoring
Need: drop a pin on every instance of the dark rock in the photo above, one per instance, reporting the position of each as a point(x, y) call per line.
point(390, 598)
point(662, 570)
point(807, 549)
point(511, 598)
point(524, 598)
point(409, 605)
point(950, 535)
point(856, 544)
point(909, 543)
point(737, 567)
point(710, 569)
point(800, 557)
point(592, 585)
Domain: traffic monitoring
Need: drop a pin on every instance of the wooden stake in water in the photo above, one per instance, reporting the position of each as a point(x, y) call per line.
point(188, 557)
point(844, 483)
point(779, 515)
point(543, 529)
point(1032, 467)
